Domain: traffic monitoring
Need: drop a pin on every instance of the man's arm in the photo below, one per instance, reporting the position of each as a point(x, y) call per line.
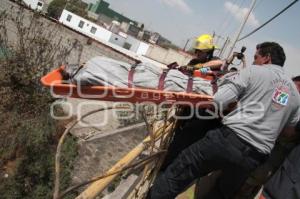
point(225, 96)
point(214, 64)
point(231, 87)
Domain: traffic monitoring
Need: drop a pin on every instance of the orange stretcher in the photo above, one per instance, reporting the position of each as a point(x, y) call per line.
point(60, 87)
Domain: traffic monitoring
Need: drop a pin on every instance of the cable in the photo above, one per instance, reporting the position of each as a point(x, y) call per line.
point(252, 32)
point(226, 20)
point(230, 27)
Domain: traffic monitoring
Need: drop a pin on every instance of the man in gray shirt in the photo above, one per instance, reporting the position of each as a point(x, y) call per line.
point(268, 103)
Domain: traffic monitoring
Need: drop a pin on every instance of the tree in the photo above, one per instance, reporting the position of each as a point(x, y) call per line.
point(56, 7)
point(76, 6)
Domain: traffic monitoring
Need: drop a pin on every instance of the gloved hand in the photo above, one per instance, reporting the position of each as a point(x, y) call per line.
point(204, 70)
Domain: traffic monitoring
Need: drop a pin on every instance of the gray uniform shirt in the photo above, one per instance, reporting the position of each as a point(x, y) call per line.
point(267, 101)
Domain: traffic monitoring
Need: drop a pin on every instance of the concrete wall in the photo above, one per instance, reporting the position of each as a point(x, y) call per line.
point(65, 35)
point(143, 48)
point(180, 58)
point(100, 34)
point(94, 157)
point(135, 43)
point(117, 39)
point(157, 53)
point(167, 56)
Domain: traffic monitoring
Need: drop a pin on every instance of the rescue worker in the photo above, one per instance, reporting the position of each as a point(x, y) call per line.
point(268, 103)
point(296, 81)
point(203, 49)
point(285, 182)
point(283, 146)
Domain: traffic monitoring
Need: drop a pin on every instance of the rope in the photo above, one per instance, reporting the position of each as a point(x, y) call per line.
point(136, 165)
point(255, 30)
point(58, 150)
point(164, 141)
point(150, 171)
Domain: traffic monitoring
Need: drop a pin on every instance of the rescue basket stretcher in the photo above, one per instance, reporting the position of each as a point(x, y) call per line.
point(59, 87)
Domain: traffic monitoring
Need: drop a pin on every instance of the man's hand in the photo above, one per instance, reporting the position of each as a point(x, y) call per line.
point(190, 68)
point(187, 68)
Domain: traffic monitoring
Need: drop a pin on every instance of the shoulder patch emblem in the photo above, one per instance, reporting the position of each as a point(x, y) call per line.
point(280, 97)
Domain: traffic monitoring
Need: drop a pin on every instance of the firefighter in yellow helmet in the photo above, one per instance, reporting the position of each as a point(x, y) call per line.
point(203, 61)
point(204, 49)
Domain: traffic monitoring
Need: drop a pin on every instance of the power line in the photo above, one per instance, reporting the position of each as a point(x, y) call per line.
point(237, 35)
point(227, 26)
point(255, 30)
point(226, 20)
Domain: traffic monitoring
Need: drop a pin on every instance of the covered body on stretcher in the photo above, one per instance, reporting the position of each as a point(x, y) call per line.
point(107, 79)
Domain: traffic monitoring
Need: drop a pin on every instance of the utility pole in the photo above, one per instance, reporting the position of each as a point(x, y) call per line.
point(227, 41)
point(217, 38)
point(241, 28)
point(186, 43)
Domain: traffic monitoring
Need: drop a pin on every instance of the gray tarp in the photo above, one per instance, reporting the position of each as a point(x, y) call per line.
point(110, 72)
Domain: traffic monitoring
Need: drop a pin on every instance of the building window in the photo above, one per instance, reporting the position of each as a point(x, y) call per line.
point(40, 4)
point(81, 23)
point(69, 17)
point(93, 30)
point(127, 46)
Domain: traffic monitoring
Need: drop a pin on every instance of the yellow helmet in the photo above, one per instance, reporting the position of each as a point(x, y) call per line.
point(204, 42)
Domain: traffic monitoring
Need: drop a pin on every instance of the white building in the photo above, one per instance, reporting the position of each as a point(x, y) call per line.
point(99, 33)
point(35, 4)
point(84, 26)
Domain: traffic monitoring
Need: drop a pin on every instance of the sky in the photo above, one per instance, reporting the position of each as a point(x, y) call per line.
point(182, 20)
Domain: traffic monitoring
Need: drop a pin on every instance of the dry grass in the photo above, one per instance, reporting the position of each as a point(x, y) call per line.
point(30, 47)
